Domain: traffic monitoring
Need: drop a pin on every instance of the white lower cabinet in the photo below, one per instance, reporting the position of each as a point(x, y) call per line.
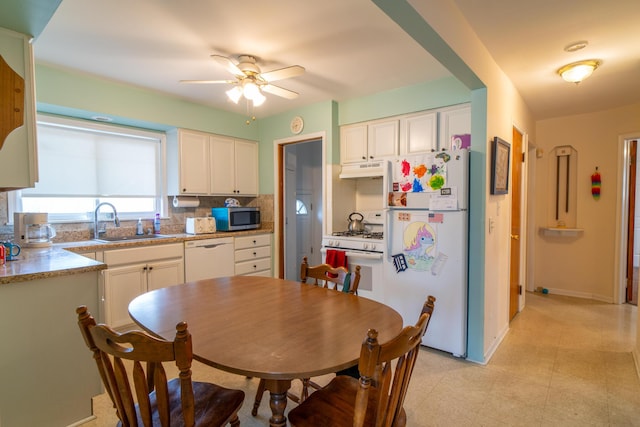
point(134, 271)
point(253, 255)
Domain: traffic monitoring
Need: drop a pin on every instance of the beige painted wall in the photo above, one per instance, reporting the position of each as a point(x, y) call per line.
point(585, 266)
point(582, 266)
point(505, 108)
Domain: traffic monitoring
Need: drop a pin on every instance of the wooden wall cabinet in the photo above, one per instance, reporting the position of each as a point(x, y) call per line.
point(404, 135)
point(18, 152)
point(419, 133)
point(202, 164)
point(234, 166)
point(370, 141)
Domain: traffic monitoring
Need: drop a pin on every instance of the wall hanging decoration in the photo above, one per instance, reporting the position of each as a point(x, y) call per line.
point(500, 156)
point(595, 184)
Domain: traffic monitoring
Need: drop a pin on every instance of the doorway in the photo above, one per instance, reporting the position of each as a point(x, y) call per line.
point(301, 205)
point(628, 223)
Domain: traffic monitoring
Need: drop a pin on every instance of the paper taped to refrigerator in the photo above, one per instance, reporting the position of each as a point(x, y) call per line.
point(421, 173)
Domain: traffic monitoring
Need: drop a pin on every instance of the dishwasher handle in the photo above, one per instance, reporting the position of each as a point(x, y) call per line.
point(212, 246)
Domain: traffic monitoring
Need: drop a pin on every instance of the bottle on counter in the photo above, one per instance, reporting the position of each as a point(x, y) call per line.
point(156, 224)
point(139, 229)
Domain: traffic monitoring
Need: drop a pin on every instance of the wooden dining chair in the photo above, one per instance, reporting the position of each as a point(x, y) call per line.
point(336, 278)
point(177, 402)
point(377, 397)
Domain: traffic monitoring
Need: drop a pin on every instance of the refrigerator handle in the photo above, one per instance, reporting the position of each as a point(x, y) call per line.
point(388, 233)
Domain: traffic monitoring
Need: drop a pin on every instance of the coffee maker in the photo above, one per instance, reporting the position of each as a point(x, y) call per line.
point(32, 229)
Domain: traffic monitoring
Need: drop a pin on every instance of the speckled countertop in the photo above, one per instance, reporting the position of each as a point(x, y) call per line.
point(62, 259)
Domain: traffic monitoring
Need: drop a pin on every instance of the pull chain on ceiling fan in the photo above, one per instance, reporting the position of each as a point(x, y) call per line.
point(250, 82)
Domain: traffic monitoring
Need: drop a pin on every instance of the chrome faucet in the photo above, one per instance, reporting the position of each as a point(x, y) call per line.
point(116, 220)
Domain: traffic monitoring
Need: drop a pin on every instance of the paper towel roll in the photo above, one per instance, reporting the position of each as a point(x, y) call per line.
point(186, 202)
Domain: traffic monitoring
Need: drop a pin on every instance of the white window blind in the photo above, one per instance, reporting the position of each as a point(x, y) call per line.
point(81, 162)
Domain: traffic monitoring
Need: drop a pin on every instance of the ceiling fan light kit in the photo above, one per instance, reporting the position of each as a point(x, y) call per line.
point(578, 71)
point(250, 82)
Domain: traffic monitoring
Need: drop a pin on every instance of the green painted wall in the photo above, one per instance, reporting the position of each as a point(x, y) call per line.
point(408, 99)
point(318, 117)
point(79, 95)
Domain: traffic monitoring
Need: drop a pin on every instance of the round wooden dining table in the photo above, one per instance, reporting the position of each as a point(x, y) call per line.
point(267, 327)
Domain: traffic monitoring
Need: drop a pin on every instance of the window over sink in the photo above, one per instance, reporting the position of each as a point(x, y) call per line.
point(82, 164)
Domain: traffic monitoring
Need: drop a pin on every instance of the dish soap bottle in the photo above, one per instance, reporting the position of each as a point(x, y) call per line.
point(156, 224)
point(139, 230)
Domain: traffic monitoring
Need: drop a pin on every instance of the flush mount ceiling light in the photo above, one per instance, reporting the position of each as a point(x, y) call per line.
point(578, 71)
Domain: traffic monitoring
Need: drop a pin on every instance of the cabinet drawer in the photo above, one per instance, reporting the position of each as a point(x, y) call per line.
point(253, 253)
point(248, 267)
point(253, 241)
point(147, 253)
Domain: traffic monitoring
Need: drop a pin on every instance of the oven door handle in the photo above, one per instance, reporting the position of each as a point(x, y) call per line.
point(356, 254)
point(363, 255)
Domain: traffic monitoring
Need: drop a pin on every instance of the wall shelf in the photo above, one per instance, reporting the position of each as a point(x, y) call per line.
point(561, 231)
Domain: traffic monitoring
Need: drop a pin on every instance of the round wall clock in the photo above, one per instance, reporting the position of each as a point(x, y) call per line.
point(297, 124)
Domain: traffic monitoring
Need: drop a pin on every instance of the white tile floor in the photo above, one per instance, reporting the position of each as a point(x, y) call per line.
point(564, 362)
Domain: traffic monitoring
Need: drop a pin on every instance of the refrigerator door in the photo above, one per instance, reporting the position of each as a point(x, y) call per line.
point(434, 248)
point(417, 172)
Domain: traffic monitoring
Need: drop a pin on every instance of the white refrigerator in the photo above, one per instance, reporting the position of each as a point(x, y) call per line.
point(427, 250)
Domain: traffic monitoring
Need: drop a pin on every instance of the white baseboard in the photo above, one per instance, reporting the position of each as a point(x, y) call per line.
point(577, 294)
point(495, 345)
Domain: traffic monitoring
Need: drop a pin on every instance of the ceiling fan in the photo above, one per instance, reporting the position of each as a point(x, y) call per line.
point(250, 82)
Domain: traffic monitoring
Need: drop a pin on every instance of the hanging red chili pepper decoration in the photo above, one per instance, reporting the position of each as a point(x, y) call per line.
point(595, 184)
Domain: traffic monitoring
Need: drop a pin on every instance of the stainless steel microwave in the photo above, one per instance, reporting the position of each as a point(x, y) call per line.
point(234, 219)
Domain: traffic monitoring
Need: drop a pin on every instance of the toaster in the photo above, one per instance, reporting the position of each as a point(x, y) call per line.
point(202, 225)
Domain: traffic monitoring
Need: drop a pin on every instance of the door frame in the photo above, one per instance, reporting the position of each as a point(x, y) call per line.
point(278, 193)
point(622, 211)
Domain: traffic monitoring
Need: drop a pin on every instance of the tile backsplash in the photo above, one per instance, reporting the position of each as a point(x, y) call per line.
point(174, 224)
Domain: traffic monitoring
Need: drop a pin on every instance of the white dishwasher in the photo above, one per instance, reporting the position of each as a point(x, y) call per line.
point(208, 258)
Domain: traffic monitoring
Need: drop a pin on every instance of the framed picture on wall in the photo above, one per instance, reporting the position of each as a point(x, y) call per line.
point(500, 157)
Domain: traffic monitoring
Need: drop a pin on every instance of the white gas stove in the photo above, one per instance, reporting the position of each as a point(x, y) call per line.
point(365, 249)
point(369, 240)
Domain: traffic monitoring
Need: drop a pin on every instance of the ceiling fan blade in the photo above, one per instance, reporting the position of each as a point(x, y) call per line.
point(283, 73)
point(228, 65)
point(207, 81)
point(279, 91)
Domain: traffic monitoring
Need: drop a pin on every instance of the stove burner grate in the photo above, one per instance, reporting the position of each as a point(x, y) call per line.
point(362, 234)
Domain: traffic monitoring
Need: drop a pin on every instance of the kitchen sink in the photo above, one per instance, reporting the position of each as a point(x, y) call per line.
point(134, 237)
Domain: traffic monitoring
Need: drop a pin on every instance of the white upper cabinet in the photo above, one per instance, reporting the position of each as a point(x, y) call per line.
point(370, 141)
point(353, 143)
point(200, 163)
point(18, 152)
point(234, 164)
point(188, 160)
point(454, 121)
point(383, 139)
point(418, 133)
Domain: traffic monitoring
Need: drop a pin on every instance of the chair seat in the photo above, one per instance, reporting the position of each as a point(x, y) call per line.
point(214, 405)
point(327, 407)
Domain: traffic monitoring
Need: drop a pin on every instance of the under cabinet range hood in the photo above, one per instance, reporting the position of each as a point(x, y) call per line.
point(364, 170)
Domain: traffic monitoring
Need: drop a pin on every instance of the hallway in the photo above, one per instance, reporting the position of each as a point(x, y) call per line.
point(565, 362)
